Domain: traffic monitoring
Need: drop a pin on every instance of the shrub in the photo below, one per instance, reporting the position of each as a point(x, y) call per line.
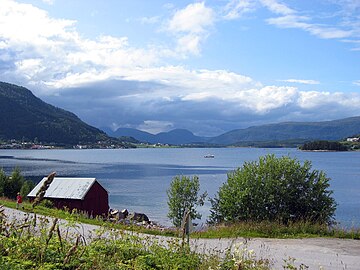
point(274, 189)
point(182, 195)
point(47, 203)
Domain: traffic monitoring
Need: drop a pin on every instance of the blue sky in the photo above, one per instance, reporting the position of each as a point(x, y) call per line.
point(207, 66)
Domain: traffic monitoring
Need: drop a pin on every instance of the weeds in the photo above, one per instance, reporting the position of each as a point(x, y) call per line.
point(42, 244)
point(277, 230)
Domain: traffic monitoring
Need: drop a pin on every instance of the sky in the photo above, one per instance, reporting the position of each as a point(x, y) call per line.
point(206, 66)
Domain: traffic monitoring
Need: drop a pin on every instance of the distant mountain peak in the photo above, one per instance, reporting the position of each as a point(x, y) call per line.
point(175, 136)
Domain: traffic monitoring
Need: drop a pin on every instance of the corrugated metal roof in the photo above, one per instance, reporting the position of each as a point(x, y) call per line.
point(65, 188)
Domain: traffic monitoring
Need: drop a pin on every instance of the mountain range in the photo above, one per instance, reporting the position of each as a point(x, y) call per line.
point(176, 136)
point(23, 116)
point(297, 132)
point(326, 130)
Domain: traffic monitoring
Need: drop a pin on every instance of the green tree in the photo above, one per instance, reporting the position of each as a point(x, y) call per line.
point(26, 188)
point(324, 145)
point(182, 195)
point(13, 184)
point(274, 189)
point(2, 182)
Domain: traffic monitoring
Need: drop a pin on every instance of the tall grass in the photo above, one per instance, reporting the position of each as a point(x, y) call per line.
point(277, 230)
point(41, 243)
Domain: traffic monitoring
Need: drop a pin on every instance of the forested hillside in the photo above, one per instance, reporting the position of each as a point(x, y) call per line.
point(24, 116)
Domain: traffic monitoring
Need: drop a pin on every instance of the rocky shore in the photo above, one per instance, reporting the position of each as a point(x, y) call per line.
point(134, 218)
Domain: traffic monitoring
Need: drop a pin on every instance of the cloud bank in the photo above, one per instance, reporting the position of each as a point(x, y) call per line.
point(109, 82)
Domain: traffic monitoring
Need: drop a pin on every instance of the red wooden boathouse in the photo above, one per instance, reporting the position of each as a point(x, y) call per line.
point(83, 194)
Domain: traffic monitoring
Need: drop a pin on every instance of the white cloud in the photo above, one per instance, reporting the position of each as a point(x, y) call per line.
point(189, 43)
point(300, 22)
point(154, 126)
point(238, 8)
point(276, 7)
point(190, 25)
point(51, 52)
point(195, 18)
point(25, 24)
point(355, 42)
point(357, 82)
point(30, 67)
point(300, 81)
point(49, 2)
point(267, 98)
point(314, 99)
point(347, 26)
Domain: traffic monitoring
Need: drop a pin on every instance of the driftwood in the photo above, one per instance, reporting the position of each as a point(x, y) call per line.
point(41, 192)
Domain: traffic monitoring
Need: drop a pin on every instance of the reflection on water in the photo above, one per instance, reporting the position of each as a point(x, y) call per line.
point(137, 179)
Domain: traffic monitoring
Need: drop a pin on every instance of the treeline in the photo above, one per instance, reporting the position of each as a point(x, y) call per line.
point(324, 145)
point(14, 183)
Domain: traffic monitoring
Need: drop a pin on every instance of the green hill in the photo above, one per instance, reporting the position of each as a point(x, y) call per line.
point(301, 131)
point(24, 116)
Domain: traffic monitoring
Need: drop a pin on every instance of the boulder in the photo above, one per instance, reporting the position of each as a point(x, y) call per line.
point(138, 217)
point(123, 214)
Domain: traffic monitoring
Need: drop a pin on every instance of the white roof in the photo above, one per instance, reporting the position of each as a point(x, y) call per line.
point(65, 188)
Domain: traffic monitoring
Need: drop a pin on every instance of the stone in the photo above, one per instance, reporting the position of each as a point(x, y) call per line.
point(139, 217)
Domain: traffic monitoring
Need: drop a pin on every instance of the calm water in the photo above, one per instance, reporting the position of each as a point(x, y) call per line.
point(137, 179)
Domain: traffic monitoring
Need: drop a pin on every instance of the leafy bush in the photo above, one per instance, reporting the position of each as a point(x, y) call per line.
point(274, 189)
point(182, 195)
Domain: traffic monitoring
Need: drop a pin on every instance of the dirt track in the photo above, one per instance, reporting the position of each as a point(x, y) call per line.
point(316, 253)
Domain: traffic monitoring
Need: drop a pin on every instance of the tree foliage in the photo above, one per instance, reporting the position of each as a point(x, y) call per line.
point(324, 145)
point(274, 189)
point(182, 195)
point(11, 185)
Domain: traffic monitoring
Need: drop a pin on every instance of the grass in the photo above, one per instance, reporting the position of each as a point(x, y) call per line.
point(78, 217)
point(241, 229)
point(24, 245)
point(277, 230)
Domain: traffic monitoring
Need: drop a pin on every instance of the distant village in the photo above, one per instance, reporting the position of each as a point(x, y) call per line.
point(15, 144)
point(352, 142)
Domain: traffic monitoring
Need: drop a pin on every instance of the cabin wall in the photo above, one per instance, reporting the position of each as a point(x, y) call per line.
point(95, 203)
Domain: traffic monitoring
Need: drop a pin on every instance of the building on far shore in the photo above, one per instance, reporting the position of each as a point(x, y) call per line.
point(353, 139)
point(84, 194)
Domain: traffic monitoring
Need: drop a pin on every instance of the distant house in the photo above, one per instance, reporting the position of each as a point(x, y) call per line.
point(353, 139)
point(83, 194)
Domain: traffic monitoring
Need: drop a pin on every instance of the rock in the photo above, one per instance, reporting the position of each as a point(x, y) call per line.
point(113, 212)
point(123, 214)
point(116, 215)
point(139, 217)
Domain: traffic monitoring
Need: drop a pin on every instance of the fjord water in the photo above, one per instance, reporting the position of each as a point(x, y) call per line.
point(137, 179)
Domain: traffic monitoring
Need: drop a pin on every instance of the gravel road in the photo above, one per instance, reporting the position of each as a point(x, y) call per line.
point(316, 253)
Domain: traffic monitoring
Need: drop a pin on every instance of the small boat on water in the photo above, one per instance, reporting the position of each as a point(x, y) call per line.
point(209, 156)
